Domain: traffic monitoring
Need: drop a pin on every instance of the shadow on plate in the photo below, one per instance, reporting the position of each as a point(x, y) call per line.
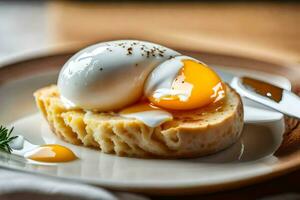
point(257, 141)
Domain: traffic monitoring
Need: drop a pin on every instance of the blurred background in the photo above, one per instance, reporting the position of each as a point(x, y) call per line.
point(267, 30)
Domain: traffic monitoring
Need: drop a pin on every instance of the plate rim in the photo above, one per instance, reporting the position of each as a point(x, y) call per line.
point(288, 163)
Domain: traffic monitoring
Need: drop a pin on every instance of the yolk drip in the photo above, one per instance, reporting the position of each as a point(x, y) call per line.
point(139, 107)
point(203, 85)
point(51, 153)
point(149, 114)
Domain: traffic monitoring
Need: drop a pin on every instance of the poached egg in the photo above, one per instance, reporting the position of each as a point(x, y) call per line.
point(137, 79)
point(109, 76)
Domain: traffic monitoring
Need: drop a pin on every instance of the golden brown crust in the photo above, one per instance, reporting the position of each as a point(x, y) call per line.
point(191, 133)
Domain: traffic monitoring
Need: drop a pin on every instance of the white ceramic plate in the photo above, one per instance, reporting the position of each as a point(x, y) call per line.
point(249, 160)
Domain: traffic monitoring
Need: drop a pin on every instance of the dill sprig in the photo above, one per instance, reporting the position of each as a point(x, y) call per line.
point(5, 138)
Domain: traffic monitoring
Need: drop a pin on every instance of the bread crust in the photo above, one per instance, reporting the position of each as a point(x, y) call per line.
point(192, 133)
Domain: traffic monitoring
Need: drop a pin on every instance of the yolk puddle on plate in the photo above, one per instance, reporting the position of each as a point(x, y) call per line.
point(51, 153)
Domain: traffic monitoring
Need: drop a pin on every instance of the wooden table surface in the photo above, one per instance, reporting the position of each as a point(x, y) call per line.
point(252, 29)
point(265, 31)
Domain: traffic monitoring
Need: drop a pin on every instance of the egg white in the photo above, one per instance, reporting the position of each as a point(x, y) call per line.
point(110, 75)
point(151, 118)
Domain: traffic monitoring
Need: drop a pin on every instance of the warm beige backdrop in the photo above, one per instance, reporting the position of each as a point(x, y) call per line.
point(267, 31)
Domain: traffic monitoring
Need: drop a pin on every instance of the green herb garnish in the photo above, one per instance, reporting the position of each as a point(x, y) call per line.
point(5, 138)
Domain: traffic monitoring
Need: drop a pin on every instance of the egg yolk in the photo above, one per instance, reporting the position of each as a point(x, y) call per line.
point(51, 153)
point(196, 80)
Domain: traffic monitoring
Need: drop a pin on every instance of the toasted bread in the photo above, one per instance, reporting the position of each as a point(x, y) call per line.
point(191, 133)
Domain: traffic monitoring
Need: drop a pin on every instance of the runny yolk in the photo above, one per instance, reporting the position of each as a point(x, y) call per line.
point(196, 80)
point(51, 153)
point(139, 107)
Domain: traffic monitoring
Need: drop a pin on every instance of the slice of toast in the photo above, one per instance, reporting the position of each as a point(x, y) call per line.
point(191, 133)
